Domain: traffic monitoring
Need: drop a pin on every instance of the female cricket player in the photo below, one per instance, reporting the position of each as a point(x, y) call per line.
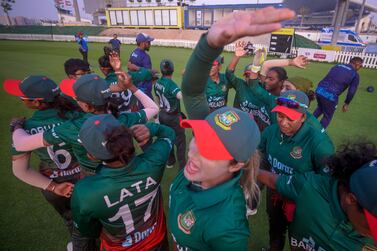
point(122, 203)
point(273, 77)
point(92, 94)
point(58, 168)
point(207, 203)
point(336, 212)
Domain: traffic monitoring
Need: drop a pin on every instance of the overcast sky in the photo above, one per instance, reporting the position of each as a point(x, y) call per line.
point(46, 9)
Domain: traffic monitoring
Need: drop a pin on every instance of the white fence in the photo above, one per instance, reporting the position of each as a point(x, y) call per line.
point(370, 60)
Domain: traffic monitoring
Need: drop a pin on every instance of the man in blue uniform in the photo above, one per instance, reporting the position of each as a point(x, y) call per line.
point(140, 58)
point(339, 78)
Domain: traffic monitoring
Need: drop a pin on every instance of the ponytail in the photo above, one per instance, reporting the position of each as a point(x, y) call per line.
point(120, 144)
point(249, 181)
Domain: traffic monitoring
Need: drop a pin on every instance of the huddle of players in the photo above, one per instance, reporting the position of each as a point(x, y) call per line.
point(292, 144)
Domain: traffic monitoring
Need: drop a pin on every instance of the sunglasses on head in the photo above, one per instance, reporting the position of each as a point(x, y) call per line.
point(290, 103)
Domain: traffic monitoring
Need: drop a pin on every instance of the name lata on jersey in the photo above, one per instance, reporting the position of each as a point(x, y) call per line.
point(125, 192)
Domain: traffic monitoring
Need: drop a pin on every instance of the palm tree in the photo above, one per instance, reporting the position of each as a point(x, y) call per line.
point(7, 6)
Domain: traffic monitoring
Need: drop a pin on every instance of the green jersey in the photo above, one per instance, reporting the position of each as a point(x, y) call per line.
point(123, 99)
point(125, 204)
point(58, 161)
point(217, 93)
point(305, 151)
point(247, 101)
point(268, 103)
point(68, 133)
point(166, 90)
point(319, 222)
point(211, 219)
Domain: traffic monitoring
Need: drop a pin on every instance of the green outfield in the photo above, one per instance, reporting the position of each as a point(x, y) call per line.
point(29, 223)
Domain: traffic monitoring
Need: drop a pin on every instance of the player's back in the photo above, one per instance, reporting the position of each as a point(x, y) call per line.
point(338, 78)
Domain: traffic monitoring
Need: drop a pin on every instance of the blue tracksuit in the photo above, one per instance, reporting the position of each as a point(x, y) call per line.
point(339, 78)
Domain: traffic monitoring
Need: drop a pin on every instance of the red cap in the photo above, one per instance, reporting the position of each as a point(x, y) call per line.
point(372, 222)
point(66, 87)
point(209, 144)
point(12, 86)
point(290, 113)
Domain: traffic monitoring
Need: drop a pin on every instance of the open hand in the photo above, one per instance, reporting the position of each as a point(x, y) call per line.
point(240, 49)
point(115, 61)
point(246, 23)
point(300, 62)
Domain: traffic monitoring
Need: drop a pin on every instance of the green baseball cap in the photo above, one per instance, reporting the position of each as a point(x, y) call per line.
point(89, 88)
point(225, 134)
point(362, 185)
point(166, 66)
point(92, 135)
point(302, 84)
point(292, 103)
point(33, 87)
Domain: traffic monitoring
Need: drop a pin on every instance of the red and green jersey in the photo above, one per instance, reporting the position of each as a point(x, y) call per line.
point(305, 151)
point(210, 219)
point(124, 205)
point(68, 133)
point(166, 90)
point(217, 93)
point(319, 222)
point(57, 161)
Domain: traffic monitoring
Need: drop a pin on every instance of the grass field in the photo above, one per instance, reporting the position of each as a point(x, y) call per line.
point(27, 222)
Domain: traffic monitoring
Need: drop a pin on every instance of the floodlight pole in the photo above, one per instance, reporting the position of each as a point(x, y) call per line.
point(340, 16)
point(358, 28)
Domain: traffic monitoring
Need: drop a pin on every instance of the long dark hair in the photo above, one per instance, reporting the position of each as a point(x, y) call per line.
point(62, 105)
point(120, 144)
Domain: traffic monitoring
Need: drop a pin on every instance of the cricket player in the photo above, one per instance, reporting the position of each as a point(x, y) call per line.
point(115, 43)
point(83, 45)
point(217, 86)
point(92, 94)
point(291, 146)
point(336, 212)
point(339, 78)
point(207, 204)
point(59, 169)
point(122, 203)
point(169, 96)
point(140, 58)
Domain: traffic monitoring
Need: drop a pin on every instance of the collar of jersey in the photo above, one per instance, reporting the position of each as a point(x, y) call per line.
point(209, 197)
point(108, 171)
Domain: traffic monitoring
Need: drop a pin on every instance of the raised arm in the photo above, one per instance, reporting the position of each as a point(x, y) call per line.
point(299, 62)
point(223, 32)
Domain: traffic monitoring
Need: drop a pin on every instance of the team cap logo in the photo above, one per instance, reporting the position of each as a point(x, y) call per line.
point(226, 120)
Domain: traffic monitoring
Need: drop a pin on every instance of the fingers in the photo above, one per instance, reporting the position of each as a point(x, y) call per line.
point(270, 15)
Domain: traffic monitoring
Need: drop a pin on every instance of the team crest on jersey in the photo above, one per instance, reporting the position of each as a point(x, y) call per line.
point(226, 120)
point(186, 221)
point(296, 152)
point(224, 88)
point(368, 248)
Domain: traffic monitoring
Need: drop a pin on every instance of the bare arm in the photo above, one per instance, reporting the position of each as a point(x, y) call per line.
point(299, 62)
point(22, 170)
